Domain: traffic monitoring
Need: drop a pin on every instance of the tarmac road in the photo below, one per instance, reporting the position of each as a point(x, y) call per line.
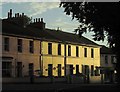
point(61, 87)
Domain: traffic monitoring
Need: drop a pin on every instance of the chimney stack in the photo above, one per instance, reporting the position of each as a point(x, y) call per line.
point(10, 13)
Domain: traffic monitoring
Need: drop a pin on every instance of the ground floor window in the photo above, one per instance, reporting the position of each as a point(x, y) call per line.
point(50, 70)
point(77, 69)
point(6, 69)
point(92, 70)
point(97, 71)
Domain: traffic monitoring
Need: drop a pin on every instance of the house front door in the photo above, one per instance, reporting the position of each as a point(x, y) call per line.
point(19, 69)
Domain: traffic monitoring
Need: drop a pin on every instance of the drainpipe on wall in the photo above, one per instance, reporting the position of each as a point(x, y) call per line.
point(41, 58)
point(64, 59)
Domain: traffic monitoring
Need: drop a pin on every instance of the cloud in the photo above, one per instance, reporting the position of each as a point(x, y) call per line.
point(41, 7)
point(31, 1)
point(63, 24)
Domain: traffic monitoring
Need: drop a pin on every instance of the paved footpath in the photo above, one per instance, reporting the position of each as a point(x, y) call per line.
point(57, 87)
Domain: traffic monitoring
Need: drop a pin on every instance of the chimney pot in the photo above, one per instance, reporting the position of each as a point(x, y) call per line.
point(36, 19)
point(41, 19)
point(17, 14)
point(22, 14)
point(10, 13)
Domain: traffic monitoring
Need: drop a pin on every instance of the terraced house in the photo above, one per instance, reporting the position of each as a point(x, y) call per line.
point(33, 47)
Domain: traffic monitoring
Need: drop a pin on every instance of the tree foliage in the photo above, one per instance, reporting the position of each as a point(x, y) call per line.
point(102, 18)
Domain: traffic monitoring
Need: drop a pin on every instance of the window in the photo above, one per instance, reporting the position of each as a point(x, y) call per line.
point(77, 69)
point(106, 59)
point(77, 51)
point(6, 69)
point(49, 48)
point(113, 60)
point(19, 45)
point(92, 70)
point(50, 67)
point(86, 67)
point(31, 47)
point(92, 53)
point(71, 69)
point(6, 44)
point(59, 49)
point(69, 50)
point(85, 52)
point(97, 71)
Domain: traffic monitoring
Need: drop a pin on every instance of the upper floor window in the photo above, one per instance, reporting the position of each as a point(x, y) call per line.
point(31, 47)
point(59, 49)
point(106, 59)
point(77, 51)
point(6, 44)
point(113, 59)
point(19, 43)
point(69, 50)
point(49, 48)
point(85, 52)
point(92, 53)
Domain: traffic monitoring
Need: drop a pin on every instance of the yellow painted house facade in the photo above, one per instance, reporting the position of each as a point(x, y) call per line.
point(75, 61)
point(34, 48)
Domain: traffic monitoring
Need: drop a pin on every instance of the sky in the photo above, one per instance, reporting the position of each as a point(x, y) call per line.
point(52, 14)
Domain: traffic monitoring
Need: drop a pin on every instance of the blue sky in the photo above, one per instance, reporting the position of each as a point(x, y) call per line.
point(53, 16)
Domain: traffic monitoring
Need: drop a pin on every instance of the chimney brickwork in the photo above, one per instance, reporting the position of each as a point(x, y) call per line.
point(19, 19)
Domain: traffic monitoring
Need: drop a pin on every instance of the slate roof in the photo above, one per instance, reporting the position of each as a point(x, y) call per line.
point(13, 28)
point(105, 50)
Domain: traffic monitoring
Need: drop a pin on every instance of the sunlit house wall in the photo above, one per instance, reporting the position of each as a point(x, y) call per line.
point(74, 60)
point(53, 58)
point(25, 57)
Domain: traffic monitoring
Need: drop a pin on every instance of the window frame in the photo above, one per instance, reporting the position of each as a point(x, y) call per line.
point(59, 49)
point(69, 50)
point(6, 44)
point(50, 48)
point(77, 51)
point(31, 46)
point(19, 45)
point(92, 53)
point(85, 52)
point(92, 70)
point(106, 59)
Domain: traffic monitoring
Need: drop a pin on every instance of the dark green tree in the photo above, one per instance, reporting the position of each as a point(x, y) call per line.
point(101, 18)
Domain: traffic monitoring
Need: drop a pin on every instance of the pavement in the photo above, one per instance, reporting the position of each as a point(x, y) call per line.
point(59, 87)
